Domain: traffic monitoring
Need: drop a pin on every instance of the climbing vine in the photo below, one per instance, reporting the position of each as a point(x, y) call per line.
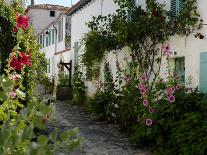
point(142, 30)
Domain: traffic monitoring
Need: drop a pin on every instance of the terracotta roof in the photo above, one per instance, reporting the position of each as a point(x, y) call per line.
point(48, 7)
point(80, 4)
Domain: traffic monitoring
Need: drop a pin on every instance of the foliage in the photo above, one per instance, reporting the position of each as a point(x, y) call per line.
point(17, 131)
point(105, 101)
point(141, 30)
point(47, 83)
point(167, 118)
point(79, 92)
point(16, 37)
point(63, 79)
point(21, 111)
point(68, 41)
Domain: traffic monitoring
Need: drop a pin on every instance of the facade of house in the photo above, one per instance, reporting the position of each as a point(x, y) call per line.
point(42, 15)
point(189, 57)
point(55, 44)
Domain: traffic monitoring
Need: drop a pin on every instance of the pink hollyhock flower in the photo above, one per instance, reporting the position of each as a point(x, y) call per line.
point(143, 77)
point(178, 86)
point(151, 110)
point(143, 91)
point(170, 90)
point(148, 122)
point(12, 95)
point(171, 99)
point(176, 76)
point(166, 50)
point(145, 102)
point(189, 90)
point(127, 79)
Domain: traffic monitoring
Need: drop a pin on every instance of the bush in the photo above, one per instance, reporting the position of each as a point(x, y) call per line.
point(47, 83)
point(63, 79)
point(106, 100)
point(79, 93)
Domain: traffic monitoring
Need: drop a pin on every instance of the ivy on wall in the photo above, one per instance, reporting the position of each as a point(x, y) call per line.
point(142, 30)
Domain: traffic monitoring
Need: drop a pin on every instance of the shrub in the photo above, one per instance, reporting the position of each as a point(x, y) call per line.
point(79, 93)
point(47, 83)
point(63, 79)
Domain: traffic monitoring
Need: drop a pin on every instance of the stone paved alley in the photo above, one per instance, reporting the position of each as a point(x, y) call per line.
point(100, 138)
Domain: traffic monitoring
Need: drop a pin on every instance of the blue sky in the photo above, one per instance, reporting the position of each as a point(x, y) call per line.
point(58, 2)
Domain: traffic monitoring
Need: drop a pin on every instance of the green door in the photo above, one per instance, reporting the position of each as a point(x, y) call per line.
point(203, 72)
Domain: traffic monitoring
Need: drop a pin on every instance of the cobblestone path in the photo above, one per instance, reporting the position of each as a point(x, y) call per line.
point(100, 138)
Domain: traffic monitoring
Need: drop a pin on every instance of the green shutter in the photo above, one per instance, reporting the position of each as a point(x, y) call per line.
point(203, 72)
point(180, 6)
point(47, 41)
point(173, 9)
point(43, 40)
point(176, 7)
point(50, 37)
point(53, 36)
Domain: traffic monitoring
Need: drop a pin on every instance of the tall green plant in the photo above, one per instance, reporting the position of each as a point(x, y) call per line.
point(79, 88)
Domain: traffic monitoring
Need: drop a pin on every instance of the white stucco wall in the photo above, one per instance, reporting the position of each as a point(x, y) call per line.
point(40, 18)
point(50, 52)
point(79, 28)
point(189, 47)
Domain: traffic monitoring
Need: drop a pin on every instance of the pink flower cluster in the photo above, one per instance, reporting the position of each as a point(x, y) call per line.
point(148, 122)
point(127, 78)
point(169, 92)
point(142, 88)
point(166, 50)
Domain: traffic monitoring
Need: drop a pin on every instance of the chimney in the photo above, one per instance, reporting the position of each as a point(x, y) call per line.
point(32, 2)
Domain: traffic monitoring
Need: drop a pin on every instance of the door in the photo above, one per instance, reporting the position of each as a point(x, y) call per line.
point(203, 72)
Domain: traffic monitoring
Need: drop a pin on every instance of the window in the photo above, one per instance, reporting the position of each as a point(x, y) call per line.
point(176, 7)
point(177, 65)
point(52, 13)
point(60, 30)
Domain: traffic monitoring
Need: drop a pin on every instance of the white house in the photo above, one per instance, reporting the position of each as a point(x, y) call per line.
point(56, 44)
point(42, 15)
point(189, 54)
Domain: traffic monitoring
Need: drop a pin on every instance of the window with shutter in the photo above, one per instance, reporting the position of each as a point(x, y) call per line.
point(176, 7)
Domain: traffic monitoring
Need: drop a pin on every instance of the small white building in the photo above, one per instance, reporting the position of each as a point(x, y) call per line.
point(189, 54)
point(56, 44)
point(42, 15)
